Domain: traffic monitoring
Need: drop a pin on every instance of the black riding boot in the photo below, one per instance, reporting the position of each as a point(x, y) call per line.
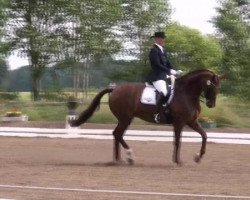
point(160, 99)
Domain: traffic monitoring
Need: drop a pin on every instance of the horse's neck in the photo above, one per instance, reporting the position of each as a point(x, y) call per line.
point(193, 86)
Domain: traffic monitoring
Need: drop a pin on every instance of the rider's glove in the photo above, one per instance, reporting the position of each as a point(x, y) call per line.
point(179, 72)
point(175, 72)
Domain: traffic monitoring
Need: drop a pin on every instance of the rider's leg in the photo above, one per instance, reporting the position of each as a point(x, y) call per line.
point(160, 99)
point(161, 87)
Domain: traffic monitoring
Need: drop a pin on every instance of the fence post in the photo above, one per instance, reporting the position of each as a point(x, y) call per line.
point(72, 104)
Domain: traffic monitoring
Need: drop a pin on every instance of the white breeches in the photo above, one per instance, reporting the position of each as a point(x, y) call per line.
point(161, 86)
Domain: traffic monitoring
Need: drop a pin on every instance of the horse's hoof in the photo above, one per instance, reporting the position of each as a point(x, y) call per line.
point(178, 163)
point(117, 162)
point(130, 156)
point(197, 158)
point(130, 161)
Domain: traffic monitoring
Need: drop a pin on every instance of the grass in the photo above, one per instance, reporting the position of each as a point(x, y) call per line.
point(38, 112)
point(24, 96)
point(102, 115)
point(229, 112)
point(46, 113)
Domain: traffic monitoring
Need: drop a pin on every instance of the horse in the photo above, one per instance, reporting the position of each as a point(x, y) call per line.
point(125, 104)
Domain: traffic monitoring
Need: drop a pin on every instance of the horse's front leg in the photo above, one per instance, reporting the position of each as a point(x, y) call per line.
point(196, 127)
point(177, 138)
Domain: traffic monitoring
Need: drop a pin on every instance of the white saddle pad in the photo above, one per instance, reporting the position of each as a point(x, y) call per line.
point(149, 95)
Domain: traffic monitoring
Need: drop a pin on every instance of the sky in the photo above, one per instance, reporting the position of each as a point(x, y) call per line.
point(192, 13)
point(195, 13)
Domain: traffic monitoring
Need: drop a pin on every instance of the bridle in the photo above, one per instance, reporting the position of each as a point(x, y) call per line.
point(209, 84)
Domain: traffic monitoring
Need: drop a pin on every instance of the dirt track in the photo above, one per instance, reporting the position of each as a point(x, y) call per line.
point(82, 163)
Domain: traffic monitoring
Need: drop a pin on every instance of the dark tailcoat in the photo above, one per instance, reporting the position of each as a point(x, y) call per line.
point(160, 64)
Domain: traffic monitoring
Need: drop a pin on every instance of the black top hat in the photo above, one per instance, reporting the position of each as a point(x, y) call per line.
point(159, 35)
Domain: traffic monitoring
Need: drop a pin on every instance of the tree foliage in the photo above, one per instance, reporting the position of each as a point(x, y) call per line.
point(189, 49)
point(51, 31)
point(91, 37)
point(79, 34)
point(3, 72)
point(19, 79)
point(33, 29)
point(3, 6)
point(3, 65)
point(232, 23)
point(140, 19)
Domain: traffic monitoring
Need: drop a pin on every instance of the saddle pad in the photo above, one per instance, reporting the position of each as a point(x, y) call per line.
point(148, 95)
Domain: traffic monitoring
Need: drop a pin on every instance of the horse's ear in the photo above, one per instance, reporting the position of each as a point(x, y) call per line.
point(223, 76)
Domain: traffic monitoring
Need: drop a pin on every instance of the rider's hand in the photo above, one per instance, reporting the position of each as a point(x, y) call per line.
point(175, 72)
point(179, 72)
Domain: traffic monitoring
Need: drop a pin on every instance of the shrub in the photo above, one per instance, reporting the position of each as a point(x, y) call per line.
point(202, 119)
point(54, 96)
point(9, 96)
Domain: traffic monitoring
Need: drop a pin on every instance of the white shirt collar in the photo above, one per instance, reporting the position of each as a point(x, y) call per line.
point(161, 48)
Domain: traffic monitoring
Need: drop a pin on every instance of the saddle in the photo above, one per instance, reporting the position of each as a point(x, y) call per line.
point(149, 93)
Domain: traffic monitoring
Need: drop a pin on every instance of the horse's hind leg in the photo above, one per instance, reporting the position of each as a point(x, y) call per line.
point(129, 151)
point(118, 133)
point(118, 139)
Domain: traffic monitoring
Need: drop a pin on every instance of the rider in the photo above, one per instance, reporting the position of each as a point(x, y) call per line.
point(161, 67)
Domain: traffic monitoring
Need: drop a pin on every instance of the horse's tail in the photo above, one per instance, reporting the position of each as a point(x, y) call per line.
point(86, 114)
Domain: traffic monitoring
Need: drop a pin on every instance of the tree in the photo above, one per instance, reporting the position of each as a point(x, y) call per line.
point(232, 23)
point(3, 65)
point(34, 29)
point(79, 32)
point(92, 36)
point(189, 50)
point(3, 5)
point(3, 72)
point(140, 19)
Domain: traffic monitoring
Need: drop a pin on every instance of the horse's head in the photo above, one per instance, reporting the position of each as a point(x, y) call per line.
point(211, 88)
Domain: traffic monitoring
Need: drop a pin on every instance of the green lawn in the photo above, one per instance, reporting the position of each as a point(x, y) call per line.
point(228, 112)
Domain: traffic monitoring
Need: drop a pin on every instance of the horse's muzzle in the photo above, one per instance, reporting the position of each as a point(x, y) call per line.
point(210, 104)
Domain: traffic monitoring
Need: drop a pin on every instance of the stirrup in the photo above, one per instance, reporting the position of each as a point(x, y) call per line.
point(157, 118)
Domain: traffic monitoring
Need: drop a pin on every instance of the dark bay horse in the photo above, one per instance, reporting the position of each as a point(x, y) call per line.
point(124, 102)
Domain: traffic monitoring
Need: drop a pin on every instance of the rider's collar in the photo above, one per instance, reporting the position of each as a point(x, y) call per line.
point(161, 48)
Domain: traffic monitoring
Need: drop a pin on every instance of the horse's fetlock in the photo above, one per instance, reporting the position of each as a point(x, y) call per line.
point(202, 153)
point(130, 155)
point(129, 152)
